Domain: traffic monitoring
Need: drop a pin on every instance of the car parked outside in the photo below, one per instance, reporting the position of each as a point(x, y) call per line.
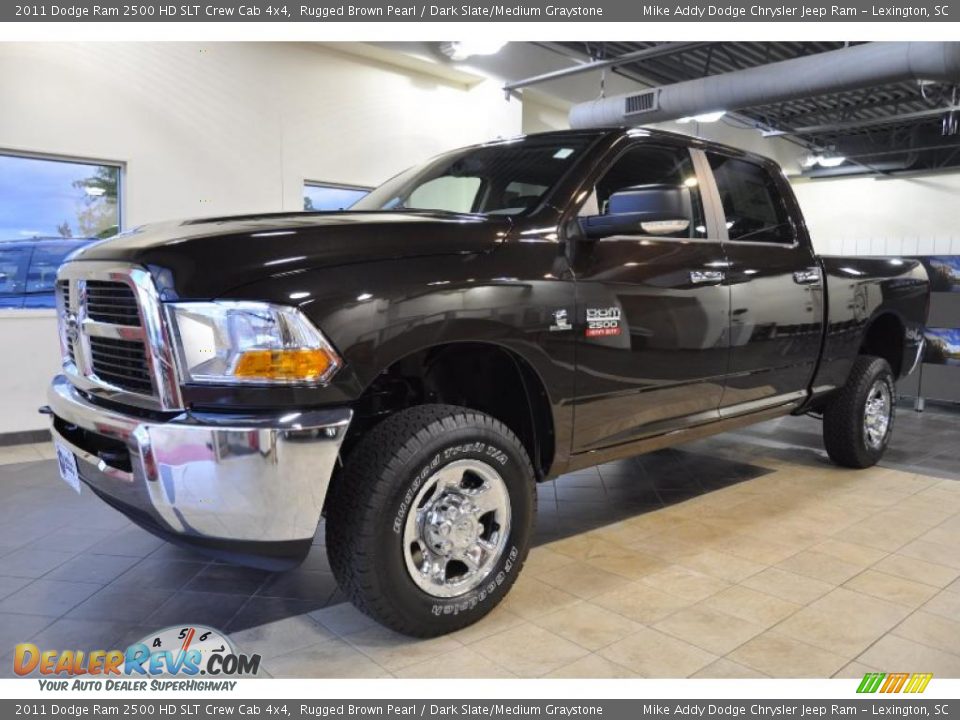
point(28, 270)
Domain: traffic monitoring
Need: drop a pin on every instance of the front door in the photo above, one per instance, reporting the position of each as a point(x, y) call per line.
point(651, 303)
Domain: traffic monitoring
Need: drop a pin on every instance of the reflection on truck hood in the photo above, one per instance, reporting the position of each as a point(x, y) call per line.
point(202, 259)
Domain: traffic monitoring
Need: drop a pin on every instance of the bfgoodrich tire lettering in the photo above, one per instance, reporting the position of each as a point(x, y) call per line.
point(369, 506)
point(846, 435)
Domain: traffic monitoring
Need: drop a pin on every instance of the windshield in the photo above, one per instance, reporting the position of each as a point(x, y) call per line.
point(503, 179)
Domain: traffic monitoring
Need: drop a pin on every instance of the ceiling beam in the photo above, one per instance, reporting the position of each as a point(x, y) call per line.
point(873, 122)
point(667, 48)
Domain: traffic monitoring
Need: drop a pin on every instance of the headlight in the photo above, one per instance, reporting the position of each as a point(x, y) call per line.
point(250, 342)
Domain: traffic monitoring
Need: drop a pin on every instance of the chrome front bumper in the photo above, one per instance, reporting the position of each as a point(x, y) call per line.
point(229, 481)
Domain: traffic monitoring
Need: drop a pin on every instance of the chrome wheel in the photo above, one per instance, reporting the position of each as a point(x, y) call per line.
point(877, 414)
point(457, 528)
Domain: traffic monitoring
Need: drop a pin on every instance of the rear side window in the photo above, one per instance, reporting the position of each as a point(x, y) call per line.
point(752, 202)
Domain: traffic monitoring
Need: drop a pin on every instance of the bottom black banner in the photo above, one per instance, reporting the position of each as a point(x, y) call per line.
point(888, 706)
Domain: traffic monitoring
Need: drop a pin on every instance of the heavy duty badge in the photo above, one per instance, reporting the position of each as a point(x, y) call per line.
point(560, 321)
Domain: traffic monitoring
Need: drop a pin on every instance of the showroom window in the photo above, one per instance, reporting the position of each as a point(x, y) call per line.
point(331, 196)
point(50, 207)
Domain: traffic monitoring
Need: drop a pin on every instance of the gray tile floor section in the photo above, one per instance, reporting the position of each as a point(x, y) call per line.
point(75, 574)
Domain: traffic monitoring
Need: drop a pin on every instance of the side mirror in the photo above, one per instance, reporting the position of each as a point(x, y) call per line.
point(642, 210)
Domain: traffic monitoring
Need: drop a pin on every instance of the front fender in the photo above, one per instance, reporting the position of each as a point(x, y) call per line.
point(380, 312)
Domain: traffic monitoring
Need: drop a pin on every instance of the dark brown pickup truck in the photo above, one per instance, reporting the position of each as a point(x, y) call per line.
point(412, 367)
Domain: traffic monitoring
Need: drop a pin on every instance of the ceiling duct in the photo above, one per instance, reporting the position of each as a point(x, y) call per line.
point(851, 68)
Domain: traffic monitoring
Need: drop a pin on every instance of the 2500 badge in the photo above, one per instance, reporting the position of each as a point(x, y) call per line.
point(603, 322)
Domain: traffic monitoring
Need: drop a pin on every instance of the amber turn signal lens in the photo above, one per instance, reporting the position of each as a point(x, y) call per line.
point(303, 364)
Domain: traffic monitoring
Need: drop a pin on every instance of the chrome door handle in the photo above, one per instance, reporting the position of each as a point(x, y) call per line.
point(807, 277)
point(706, 276)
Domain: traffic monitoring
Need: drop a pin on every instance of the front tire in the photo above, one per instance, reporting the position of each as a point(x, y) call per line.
point(858, 422)
point(431, 519)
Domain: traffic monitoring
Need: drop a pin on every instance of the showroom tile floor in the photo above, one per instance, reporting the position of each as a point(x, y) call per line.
point(743, 555)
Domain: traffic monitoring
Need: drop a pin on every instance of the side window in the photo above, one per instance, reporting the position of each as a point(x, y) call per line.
point(752, 202)
point(13, 263)
point(649, 190)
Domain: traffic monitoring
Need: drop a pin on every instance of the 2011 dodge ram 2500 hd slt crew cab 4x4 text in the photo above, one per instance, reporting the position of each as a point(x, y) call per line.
point(412, 367)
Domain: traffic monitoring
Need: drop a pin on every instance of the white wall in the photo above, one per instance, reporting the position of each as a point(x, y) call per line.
point(540, 115)
point(31, 353)
point(231, 127)
point(867, 216)
point(214, 129)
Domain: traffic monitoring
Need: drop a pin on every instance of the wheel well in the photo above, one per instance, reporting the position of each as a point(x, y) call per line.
point(885, 338)
point(480, 376)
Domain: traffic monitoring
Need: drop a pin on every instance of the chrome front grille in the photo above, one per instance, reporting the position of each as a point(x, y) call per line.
point(63, 305)
point(121, 363)
point(112, 302)
point(114, 339)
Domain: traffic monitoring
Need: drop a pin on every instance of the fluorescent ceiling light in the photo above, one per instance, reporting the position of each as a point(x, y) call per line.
point(827, 161)
point(463, 49)
point(832, 161)
point(94, 191)
point(704, 117)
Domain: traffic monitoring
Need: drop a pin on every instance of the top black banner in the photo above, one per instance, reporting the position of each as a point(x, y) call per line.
point(618, 11)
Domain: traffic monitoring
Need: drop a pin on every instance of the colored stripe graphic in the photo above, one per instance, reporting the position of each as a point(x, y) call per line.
point(894, 682)
point(918, 682)
point(870, 682)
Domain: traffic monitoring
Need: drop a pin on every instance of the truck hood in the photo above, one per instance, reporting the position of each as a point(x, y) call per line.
point(203, 259)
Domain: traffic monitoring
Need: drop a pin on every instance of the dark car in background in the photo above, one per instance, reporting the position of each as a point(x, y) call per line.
point(28, 270)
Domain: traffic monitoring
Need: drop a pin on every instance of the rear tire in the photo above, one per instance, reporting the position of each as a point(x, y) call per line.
point(858, 422)
point(431, 520)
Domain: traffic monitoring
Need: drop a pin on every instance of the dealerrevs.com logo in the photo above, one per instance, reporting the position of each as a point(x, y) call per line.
point(184, 651)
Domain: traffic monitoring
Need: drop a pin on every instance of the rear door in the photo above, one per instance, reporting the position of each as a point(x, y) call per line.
point(776, 291)
point(652, 307)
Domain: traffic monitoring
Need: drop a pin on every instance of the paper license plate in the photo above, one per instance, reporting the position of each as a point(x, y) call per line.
point(68, 467)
